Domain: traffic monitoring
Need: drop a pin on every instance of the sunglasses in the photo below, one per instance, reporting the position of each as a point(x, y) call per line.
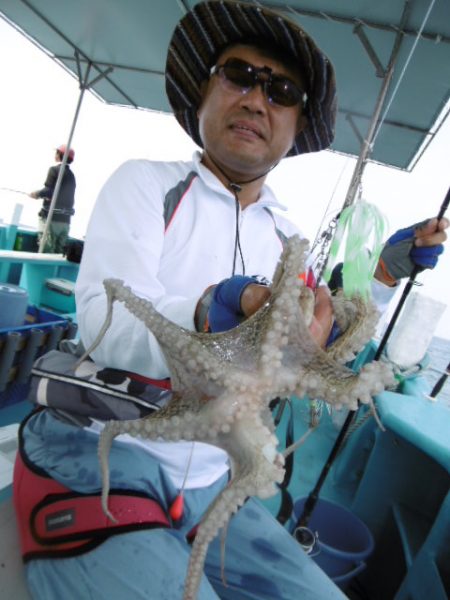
point(240, 76)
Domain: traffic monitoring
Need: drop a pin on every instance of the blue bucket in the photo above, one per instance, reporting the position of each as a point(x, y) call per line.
point(344, 542)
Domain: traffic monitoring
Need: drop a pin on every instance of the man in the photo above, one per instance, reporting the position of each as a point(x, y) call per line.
point(58, 230)
point(250, 87)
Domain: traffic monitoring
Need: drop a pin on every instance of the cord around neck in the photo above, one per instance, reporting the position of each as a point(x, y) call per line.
point(237, 239)
point(236, 187)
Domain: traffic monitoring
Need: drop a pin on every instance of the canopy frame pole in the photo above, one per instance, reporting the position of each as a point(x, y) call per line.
point(367, 144)
point(85, 84)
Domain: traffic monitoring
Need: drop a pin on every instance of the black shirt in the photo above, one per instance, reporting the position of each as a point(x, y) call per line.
point(66, 197)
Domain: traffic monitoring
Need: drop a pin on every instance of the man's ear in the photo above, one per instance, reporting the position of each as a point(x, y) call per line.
point(203, 91)
point(301, 123)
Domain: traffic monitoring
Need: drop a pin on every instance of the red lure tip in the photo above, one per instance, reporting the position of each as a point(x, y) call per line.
point(176, 510)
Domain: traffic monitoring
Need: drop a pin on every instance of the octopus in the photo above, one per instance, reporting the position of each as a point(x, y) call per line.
point(223, 384)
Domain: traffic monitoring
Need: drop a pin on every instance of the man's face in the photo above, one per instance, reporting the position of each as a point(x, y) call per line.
point(245, 134)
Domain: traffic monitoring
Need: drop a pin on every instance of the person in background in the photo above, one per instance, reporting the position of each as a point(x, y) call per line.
point(58, 230)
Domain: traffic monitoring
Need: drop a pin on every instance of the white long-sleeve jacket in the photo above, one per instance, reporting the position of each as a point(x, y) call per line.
point(169, 260)
point(169, 231)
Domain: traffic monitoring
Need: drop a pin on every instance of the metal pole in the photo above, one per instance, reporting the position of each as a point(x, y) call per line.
point(368, 141)
point(84, 85)
point(62, 168)
point(367, 145)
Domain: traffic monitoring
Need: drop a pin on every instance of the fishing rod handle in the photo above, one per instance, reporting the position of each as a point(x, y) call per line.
point(444, 205)
point(416, 270)
point(440, 383)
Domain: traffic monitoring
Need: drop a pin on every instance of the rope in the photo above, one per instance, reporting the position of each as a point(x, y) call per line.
point(326, 211)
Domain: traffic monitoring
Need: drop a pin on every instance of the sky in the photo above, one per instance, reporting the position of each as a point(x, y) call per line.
point(37, 105)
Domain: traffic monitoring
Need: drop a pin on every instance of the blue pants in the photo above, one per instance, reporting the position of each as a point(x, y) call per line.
point(262, 561)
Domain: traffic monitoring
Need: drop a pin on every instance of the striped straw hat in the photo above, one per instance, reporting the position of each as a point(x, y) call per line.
point(210, 27)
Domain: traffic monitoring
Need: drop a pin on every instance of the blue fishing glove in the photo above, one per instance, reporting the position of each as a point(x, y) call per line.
point(334, 334)
point(225, 309)
point(400, 256)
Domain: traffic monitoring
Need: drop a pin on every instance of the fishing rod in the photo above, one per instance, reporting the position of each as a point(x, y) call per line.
point(302, 533)
point(440, 383)
point(407, 288)
point(6, 189)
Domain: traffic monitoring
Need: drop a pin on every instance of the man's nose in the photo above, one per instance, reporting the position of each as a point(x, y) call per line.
point(255, 99)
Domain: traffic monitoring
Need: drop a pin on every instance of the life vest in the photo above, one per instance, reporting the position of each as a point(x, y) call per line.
point(56, 522)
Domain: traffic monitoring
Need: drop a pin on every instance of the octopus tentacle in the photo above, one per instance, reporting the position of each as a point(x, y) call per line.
point(251, 476)
point(358, 319)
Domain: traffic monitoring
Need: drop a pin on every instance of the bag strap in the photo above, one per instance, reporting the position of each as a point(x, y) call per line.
point(56, 522)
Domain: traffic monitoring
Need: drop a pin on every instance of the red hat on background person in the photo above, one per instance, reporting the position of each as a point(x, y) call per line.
point(62, 149)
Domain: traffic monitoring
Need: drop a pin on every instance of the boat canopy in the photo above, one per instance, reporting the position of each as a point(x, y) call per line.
point(118, 50)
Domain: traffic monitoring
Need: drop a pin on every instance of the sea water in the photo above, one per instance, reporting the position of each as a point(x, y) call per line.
point(439, 355)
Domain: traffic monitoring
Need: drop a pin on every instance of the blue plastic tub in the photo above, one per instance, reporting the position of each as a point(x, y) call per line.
point(344, 542)
point(13, 305)
point(35, 318)
point(40, 332)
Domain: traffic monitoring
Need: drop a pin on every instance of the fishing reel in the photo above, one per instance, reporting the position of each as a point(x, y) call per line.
point(306, 538)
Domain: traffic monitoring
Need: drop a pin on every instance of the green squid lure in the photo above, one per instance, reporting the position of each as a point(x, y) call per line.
point(364, 227)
